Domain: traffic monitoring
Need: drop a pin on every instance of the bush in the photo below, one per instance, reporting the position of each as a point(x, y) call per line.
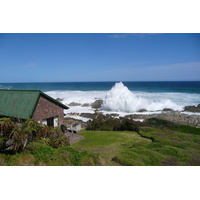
point(14, 137)
point(112, 124)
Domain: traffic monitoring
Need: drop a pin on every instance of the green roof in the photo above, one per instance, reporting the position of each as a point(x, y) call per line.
point(22, 103)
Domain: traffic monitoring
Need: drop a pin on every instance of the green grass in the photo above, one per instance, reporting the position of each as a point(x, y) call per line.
point(161, 123)
point(187, 129)
point(109, 144)
point(45, 155)
point(154, 146)
point(164, 147)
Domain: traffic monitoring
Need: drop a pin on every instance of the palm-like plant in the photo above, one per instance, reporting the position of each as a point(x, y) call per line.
point(30, 128)
point(6, 125)
point(61, 140)
point(28, 132)
point(44, 141)
point(45, 131)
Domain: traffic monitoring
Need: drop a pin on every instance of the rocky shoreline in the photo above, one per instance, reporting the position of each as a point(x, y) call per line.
point(190, 115)
point(174, 116)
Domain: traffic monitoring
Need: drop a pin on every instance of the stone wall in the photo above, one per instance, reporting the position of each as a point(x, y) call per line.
point(46, 109)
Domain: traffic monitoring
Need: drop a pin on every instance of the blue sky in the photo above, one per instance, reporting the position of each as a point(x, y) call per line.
point(99, 57)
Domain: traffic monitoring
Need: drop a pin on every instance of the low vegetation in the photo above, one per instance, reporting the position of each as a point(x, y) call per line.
point(108, 123)
point(40, 154)
point(107, 141)
point(161, 123)
point(15, 136)
point(29, 143)
point(157, 143)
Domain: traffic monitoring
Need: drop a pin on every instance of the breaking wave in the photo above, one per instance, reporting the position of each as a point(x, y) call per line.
point(77, 96)
point(121, 99)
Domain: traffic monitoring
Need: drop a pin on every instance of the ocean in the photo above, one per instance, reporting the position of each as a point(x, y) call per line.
point(119, 97)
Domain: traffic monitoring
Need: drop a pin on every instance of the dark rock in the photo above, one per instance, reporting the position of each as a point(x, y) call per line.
point(142, 110)
point(88, 115)
point(59, 99)
point(167, 109)
point(192, 108)
point(74, 104)
point(114, 115)
point(85, 105)
point(73, 114)
point(97, 104)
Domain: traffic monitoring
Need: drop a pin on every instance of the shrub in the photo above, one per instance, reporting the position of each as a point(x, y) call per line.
point(14, 137)
point(6, 126)
point(112, 124)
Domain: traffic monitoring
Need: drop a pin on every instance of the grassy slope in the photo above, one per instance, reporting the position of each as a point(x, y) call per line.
point(128, 148)
point(45, 155)
point(156, 146)
point(109, 144)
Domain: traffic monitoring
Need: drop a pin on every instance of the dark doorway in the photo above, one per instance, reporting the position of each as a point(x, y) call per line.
point(50, 122)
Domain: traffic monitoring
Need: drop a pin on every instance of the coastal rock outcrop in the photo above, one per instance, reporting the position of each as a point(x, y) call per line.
point(59, 99)
point(173, 116)
point(97, 104)
point(74, 104)
point(192, 108)
point(85, 105)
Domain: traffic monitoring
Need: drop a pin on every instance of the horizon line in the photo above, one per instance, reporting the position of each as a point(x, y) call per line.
point(100, 81)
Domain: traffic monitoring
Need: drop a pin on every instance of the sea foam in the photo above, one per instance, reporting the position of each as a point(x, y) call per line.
point(121, 99)
point(77, 96)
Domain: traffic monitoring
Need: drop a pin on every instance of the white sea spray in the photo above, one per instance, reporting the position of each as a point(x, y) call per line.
point(121, 99)
point(77, 96)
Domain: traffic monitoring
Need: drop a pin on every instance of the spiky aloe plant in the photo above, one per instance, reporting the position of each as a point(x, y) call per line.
point(6, 125)
point(30, 128)
point(45, 131)
point(58, 139)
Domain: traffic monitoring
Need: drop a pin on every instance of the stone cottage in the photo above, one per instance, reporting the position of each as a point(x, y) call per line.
point(34, 104)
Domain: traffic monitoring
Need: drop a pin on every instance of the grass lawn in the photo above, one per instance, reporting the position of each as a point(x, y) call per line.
point(164, 147)
point(109, 144)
